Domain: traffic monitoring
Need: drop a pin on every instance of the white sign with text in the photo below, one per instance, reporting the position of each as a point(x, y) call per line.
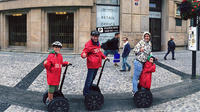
point(107, 16)
point(154, 14)
point(193, 39)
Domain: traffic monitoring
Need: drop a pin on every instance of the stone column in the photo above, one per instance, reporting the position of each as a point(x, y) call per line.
point(4, 40)
point(84, 27)
point(167, 23)
point(34, 30)
point(45, 32)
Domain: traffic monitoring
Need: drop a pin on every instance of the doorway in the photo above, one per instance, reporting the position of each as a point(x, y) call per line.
point(61, 28)
point(17, 29)
point(155, 30)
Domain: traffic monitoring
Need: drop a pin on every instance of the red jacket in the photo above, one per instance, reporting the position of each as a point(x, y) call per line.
point(53, 67)
point(145, 78)
point(93, 54)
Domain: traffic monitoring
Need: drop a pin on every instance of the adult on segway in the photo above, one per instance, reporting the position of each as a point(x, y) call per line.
point(142, 50)
point(94, 60)
point(53, 65)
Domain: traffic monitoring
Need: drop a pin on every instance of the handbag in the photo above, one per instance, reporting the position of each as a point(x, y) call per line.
point(116, 58)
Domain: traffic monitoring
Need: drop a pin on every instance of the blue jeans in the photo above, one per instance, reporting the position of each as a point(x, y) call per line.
point(124, 63)
point(106, 52)
point(138, 66)
point(89, 80)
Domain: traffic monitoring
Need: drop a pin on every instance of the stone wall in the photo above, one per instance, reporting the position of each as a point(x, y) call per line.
point(178, 32)
point(43, 3)
point(134, 20)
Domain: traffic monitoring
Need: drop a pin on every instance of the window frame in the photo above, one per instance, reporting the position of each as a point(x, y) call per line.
point(176, 10)
point(176, 19)
point(158, 5)
point(110, 4)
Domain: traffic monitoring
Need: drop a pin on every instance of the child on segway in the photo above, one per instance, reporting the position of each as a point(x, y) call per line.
point(145, 78)
point(53, 65)
point(144, 98)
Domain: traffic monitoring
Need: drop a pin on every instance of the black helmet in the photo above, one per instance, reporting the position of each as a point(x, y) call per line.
point(95, 33)
point(57, 43)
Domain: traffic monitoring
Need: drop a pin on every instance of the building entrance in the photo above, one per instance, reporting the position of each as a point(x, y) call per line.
point(61, 28)
point(155, 23)
point(155, 30)
point(17, 27)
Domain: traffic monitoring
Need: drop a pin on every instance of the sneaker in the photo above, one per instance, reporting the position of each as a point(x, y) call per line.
point(116, 64)
point(122, 70)
point(165, 58)
point(133, 93)
point(129, 69)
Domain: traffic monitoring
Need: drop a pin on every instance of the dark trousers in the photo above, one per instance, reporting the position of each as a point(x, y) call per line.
point(170, 50)
point(89, 80)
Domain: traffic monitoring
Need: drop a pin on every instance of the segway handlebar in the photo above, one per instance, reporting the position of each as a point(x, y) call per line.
point(63, 78)
point(102, 70)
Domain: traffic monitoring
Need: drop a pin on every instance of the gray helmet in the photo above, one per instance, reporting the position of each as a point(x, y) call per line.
point(57, 43)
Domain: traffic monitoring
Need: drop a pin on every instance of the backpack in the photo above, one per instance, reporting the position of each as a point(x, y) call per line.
point(104, 46)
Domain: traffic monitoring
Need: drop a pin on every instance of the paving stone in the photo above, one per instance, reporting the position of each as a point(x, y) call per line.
point(15, 66)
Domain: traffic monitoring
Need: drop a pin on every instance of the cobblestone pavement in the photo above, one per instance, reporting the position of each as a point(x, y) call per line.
point(167, 85)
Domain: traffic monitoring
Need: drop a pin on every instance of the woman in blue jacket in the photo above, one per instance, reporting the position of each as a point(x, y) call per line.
point(125, 53)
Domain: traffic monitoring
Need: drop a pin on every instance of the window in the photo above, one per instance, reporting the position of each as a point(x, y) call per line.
point(191, 22)
point(177, 10)
point(155, 5)
point(178, 22)
point(110, 2)
point(152, 5)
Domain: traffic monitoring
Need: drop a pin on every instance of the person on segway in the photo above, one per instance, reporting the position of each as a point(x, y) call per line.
point(53, 65)
point(145, 78)
point(94, 59)
point(142, 50)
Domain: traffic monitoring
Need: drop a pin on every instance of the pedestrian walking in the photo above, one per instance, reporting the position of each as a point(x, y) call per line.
point(146, 75)
point(171, 48)
point(125, 53)
point(94, 59)
point(142, 50)
point(112, 46)
point(53, 65)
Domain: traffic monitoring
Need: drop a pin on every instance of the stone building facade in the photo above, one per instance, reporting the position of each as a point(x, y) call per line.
point(32, 25)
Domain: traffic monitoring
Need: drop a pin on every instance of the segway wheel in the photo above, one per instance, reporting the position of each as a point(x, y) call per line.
point(45, 96)
point(143, 98)
point(58, 104)
point(94, 100)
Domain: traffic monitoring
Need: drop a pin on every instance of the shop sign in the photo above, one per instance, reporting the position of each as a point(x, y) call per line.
point(107, 21)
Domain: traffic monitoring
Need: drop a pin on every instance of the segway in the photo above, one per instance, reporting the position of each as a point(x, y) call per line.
point(143, 98)
point(95, 99)
point(59, 102)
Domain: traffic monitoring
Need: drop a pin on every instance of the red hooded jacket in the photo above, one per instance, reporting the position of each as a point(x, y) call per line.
point(93, 54)
point(145, 78)
point(53, 67)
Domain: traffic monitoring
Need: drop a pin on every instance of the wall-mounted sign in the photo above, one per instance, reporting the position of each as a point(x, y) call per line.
point(154, 14)
point(107, 21)
point(193, 40)
point(136, 2)
point(108, 29)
